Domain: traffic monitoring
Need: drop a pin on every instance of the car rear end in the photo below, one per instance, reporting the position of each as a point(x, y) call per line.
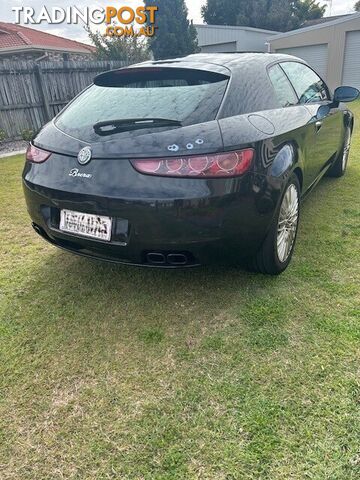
point(134, 171)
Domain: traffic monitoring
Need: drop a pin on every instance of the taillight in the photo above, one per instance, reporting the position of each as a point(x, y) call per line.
point(36, 155)
point(228, 164)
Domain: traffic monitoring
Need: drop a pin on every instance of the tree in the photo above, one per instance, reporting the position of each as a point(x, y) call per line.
point(357, 6)
point(280, 15)
point(129, 49)
point(175, 35)
point(308, 10)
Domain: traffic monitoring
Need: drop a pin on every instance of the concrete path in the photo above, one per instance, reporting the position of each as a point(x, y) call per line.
point(12, 154)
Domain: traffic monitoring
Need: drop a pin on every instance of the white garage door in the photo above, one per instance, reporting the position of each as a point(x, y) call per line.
point(315, 55)
point(351, 72)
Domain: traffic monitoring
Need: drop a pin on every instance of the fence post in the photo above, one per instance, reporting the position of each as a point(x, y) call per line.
point(43, 94)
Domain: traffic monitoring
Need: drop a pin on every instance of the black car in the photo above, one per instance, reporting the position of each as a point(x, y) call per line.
point(188, 161)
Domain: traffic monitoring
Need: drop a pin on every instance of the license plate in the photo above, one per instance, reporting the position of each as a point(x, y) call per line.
point(86, 224)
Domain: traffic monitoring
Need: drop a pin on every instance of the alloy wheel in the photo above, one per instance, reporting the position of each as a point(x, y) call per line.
point(347, 144)
point(288, 223)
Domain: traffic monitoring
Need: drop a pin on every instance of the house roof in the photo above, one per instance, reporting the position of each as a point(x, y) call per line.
point(16, 37)
point(319, 21)
point(337, 21)
point(234, 27)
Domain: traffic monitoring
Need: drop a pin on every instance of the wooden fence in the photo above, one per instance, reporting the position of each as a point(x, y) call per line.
point(32, 94)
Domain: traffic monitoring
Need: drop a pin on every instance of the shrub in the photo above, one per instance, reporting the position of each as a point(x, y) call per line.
point(27, 134)
point(2, 135)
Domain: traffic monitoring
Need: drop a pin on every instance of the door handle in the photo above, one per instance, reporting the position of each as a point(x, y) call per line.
point(318, 126)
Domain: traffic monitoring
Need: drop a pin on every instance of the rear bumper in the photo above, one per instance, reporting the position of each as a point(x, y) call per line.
point(224, 227)
point(168, 259)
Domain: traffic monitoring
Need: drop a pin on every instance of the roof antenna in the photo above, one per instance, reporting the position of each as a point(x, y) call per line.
point(330, 2)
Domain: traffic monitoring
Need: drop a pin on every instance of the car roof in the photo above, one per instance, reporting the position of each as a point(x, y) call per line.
point(229, 61)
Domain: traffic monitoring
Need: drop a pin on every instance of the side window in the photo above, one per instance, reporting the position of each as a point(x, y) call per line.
point(308, 86)
point(284, 92)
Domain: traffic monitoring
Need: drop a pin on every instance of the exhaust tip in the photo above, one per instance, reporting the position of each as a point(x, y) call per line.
point(170, 259)
point(177, 259)
point(156, 258)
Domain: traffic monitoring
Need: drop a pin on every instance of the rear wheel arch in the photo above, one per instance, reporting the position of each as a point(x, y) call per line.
point(267, 259)
point(293, 167)
point(298, 165)
point(298, 172)
point(285, 159)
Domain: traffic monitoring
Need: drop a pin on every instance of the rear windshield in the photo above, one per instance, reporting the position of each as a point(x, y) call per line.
point(184, 95)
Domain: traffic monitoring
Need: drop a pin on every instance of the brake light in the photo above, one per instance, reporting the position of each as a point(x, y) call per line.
point(36, 155)
point(222, 165)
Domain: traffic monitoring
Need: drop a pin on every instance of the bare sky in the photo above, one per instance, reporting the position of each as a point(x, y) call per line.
point(77, 32)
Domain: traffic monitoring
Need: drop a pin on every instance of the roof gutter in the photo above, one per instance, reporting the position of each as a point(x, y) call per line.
point(26, 48)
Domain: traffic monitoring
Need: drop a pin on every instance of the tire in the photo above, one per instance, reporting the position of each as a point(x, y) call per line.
point(276, 252)
point(339, 167)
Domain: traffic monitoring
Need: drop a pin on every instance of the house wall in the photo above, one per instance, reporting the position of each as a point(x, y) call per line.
point(332, 35)
point(53, 56)
point(216, 38)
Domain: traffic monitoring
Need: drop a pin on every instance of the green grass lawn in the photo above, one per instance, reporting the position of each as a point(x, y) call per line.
point(114, 372)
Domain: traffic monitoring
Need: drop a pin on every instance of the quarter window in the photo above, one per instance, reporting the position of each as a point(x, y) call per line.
point(308, 85)
point(284, 92)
